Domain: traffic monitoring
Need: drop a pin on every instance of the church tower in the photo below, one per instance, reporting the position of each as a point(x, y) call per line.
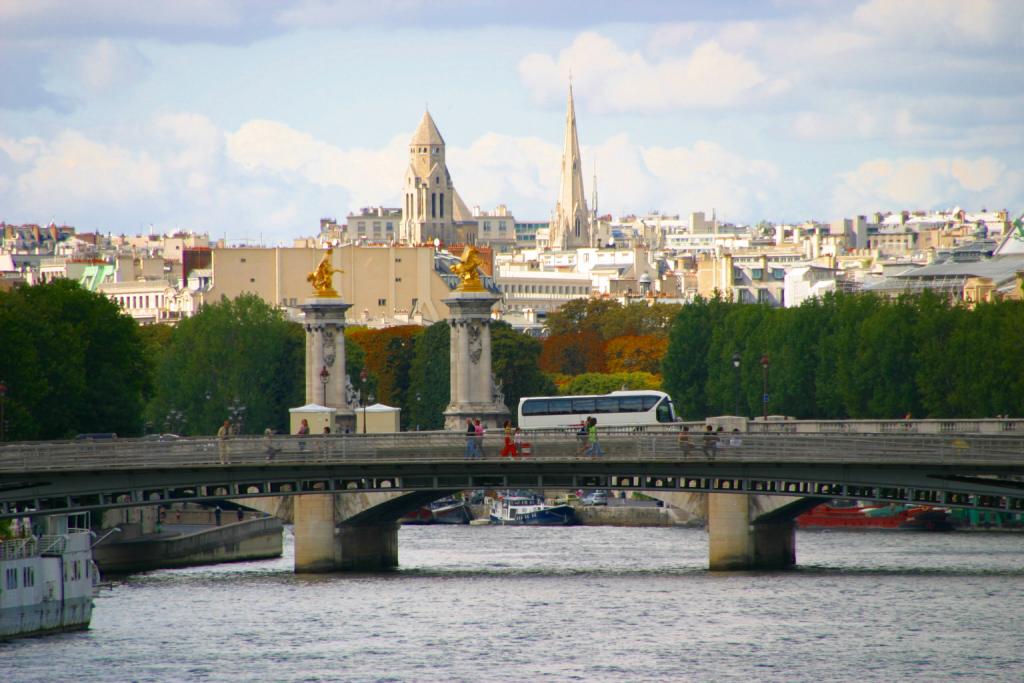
point(428, 195)
point(570, 226)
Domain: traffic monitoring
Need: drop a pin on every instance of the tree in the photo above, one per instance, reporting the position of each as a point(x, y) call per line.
point(232, 352)
point(514, 363)
point(388, 355)
point(573, 353)
point(603, 383)
point(636, 353)
point(429, 380)
point(72, 361)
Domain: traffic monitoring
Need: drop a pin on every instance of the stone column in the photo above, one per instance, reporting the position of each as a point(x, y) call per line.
point(325, 348)
point(472, 385)
point(316, 535)
point(735, 542)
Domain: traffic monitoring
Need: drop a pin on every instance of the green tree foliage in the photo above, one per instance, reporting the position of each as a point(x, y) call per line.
point(513, 362)
point(849, 356)
point(609, 319)
point(241, 350)
point(603, 383)
point(72, 363)
point(429, 382)
point(389, 354)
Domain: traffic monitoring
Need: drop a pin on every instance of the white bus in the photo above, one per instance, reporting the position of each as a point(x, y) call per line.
point(628, 408)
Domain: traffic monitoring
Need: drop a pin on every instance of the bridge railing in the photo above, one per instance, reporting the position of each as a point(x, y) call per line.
point(621, 444)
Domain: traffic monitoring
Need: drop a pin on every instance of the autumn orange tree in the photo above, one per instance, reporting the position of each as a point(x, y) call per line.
point(388, 353)
point(573, 353)
point(636, 353)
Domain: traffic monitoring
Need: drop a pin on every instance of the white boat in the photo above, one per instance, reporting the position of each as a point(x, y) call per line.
point(47, 580)
point(530, 511)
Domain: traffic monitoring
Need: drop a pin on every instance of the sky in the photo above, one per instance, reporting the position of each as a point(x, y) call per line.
point(251, 120)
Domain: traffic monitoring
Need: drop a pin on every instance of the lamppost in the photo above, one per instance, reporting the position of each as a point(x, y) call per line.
point(3, 400)
point(764, 399)
point(362, 395)
point(736, 365)
point(175, 418)
point(237, 412)
point(325, 376)
point(417, 411)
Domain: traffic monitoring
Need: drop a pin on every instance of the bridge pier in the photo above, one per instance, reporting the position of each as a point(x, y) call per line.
point(324, 544)
point(736, 542)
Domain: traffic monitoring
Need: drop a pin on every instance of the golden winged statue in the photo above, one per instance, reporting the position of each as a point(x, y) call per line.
point(467, 270)
point(322, 276)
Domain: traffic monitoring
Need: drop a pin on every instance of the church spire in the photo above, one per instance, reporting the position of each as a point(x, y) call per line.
point(571, 225)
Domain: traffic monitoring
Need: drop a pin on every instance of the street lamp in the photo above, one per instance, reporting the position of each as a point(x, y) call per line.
point(237, 412)
point(3, 399)
point(362, 395)
point(174, 420)
point(764, 399)
point(325, 376)
point(417, 411)
point(736, 365)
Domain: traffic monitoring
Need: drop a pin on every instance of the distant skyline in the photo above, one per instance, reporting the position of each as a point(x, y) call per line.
point(252, 120)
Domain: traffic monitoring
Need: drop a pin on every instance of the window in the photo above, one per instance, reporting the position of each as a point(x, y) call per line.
point(382, 302)
point(535, 408)
point(28, 577)
point(243, 260)
point(778, 273)
point(583, 405)
point(252, 279)
point(433, 205)
point(756, 273)
point(12, 578)
point(442, 205)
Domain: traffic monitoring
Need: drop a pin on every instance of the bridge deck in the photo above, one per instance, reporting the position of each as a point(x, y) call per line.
point(956, 470)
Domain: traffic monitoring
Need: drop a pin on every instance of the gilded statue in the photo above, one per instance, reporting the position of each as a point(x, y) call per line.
point(322, 276)
point(467, 269)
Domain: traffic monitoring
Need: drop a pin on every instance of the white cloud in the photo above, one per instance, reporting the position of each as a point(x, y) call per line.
point(610, 78)
point(370, 176)
point(943, 22)
point(106, 67)
point(927, 183)
point(76, 170)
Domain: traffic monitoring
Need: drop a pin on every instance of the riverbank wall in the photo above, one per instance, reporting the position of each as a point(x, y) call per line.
point(252, 539)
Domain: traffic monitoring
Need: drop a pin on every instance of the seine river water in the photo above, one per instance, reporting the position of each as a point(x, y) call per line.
point(566, 604)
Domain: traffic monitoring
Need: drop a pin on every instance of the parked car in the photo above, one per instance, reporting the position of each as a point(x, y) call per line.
point(595, 498)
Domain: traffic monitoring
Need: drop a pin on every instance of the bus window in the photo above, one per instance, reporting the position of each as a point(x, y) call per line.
point(632, 404)
point(607, 405)
point(649, 402)
point(535, 407)
point(665, 411)
point(583, 405)
point(559, 406)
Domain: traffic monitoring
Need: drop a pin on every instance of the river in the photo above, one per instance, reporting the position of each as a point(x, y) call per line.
point(565, 604)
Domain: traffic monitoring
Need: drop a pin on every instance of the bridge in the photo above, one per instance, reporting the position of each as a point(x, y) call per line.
point(955, 470)
point(392, 474)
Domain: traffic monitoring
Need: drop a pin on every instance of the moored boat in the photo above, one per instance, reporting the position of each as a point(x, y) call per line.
point(47, 580)
point(529, 510)
point(857, 516)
